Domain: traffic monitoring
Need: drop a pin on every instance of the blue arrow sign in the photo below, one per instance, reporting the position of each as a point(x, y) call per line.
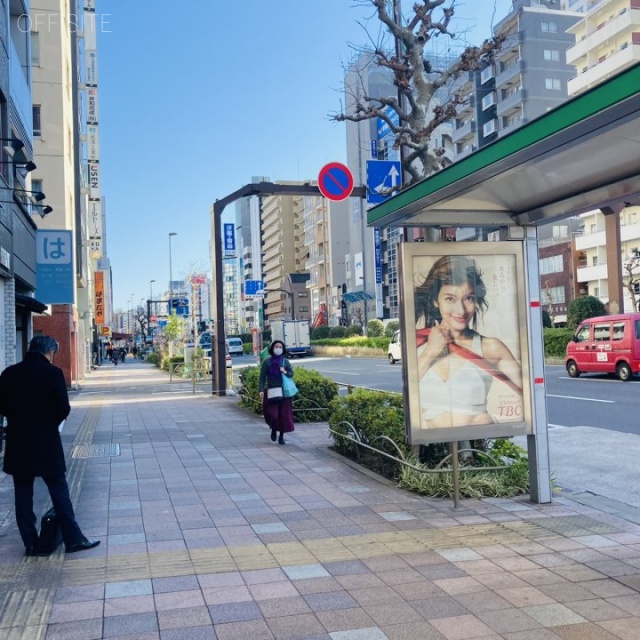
point(383, 176)
point(253, 287)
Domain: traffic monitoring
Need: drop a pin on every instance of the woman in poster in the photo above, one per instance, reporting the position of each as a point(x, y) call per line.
point(457, 366)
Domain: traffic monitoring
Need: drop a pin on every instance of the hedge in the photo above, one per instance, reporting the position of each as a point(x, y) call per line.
point(555, 342)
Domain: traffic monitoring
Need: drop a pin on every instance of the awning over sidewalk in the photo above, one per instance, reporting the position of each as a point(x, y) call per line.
point(29, 303)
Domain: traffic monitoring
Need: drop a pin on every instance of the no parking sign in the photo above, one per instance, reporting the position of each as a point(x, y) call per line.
point(335, 181)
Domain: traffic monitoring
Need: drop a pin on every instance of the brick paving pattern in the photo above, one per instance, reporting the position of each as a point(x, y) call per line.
point(211, 531)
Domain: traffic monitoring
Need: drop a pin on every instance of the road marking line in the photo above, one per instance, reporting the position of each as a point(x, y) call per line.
point(553, 395)
point(558, 426)
point(342, 373)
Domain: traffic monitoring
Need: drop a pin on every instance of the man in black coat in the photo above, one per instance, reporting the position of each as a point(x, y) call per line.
point(34, 399)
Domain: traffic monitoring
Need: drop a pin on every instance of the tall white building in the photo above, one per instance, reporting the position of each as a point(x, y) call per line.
point(607, 42)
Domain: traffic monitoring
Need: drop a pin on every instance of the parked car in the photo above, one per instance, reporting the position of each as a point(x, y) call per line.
point(606, 344)
point(234, 345)
point(208, 354)
point(394, 352)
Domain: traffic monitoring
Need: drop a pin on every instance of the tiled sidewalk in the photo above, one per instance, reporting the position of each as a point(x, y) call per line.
point(209, 530)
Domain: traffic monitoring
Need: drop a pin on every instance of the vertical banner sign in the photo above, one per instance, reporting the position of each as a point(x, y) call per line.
point(93, 142)
point(92, 105)
point(94, 181)
point(377, 256)
point(95, 228)
point(54, 266)
point(99, 297)
point(377, 252)
point(229, 241)
point(94, 209)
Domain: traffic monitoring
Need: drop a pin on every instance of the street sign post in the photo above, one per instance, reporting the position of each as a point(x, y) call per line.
point(335, 181)
point(383, 177)
point(253, 288)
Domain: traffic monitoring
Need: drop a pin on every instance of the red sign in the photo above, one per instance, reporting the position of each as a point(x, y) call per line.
point(335, 181)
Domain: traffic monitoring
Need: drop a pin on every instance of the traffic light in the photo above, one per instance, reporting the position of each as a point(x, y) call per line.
point(202, 326)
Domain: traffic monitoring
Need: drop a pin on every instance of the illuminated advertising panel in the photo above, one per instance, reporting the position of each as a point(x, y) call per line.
point(465, 341)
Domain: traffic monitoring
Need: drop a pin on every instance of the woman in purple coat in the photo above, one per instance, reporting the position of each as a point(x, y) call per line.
point(278, 412)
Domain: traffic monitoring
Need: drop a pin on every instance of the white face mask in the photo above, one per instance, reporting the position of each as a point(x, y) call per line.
point(277, 352)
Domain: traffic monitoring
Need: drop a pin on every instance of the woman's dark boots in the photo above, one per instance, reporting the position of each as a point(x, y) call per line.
point(281, 438)
point(274, 435)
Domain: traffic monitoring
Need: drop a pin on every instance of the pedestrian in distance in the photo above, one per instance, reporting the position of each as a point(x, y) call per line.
point(34, 399)
point(278, 411)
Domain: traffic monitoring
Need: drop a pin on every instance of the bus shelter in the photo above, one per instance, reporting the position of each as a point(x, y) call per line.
point(583, 155)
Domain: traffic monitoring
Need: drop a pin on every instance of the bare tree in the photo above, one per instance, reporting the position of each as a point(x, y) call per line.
point(632, 271)
point(417, 80)
point(142, 320)
point(549, 302)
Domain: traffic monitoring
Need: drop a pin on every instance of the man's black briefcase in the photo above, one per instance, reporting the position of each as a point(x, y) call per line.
point(50, 537)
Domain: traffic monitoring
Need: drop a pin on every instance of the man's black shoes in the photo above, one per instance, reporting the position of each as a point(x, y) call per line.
point(82, 546)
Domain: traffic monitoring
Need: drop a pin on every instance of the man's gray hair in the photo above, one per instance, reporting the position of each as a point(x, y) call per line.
point(43, 345)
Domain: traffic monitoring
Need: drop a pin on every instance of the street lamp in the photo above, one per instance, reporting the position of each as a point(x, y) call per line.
point(151, 290)
point(171, 234)
point(293, 311)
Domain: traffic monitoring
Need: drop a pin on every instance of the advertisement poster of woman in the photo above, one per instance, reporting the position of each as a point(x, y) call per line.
point(464, 313)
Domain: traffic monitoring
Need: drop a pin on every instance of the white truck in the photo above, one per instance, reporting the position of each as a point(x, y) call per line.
point(295, 335)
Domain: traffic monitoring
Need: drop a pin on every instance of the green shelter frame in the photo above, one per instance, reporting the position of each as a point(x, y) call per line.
point(581, 156)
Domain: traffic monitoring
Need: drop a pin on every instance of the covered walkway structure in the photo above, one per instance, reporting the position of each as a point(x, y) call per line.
point(582, 156)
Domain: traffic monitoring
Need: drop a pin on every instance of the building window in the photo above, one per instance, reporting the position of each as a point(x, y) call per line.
point(551, 264)
point(554, 295)
point(486, 74)
point(553, 84)
point(37, 125)
point(489, 128)
point(488, 101)
point(549, 27)
point(594, 261)
point(35, 49)
point(36, 185)
point(552, 55)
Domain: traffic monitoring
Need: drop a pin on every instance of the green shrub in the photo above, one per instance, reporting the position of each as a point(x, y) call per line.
point(372, 413)
point(582, 308)
point(320, 332)
point(555, 342)
point(173, 360)
point(315, 393)
point(391, 328)
point(354, 341)
point(546, 319)
point(154, 358)
point(337, 332)
point(353, 330)
point(514, 480)
point(375, 328)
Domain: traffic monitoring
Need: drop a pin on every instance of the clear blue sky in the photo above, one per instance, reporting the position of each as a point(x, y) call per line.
point(197, 97)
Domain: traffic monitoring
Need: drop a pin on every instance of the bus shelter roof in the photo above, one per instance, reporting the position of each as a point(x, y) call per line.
point(582, 155)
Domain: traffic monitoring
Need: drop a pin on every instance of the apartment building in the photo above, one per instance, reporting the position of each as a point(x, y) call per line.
point(18, 208)
point(528, 77)
point(283, 249)
point(66, 149)
point(607, 41)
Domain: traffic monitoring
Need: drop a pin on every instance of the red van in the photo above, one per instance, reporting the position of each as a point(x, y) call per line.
point(606, 344)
